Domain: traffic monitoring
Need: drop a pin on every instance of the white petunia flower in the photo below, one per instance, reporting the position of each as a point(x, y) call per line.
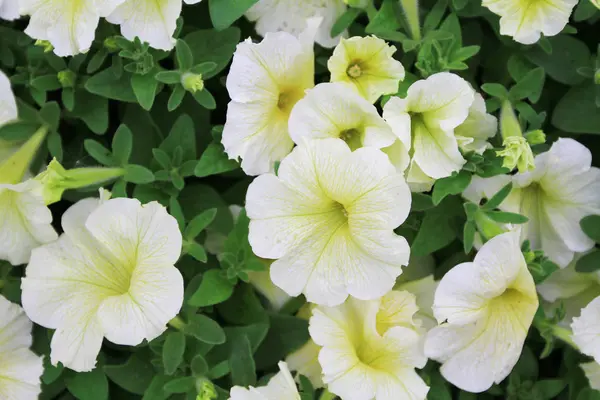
point(150, 20)
point(367, 65)
point(333, 110)
point(485, 309)
point(25, 221)
point(70, 26)
point(280, 387)
point(574, 290)
point(8, 102)
point(20, 368)
point(328, 219)
point(424, 290)
point(478, 128)
point(9, 10)
point(526, 21)
point(110, 275)
point(586, 329)
point(561, 190)
point(265, 81)
point(592, 373)
point(291, 16)
point(432, 110)
point(370, 349)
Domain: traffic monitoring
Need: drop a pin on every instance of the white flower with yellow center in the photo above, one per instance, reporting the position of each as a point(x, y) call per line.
point(561, 190)
point(111, 274)
point(333, 110)
point(20, 368)
point(367, 65)
point(328, 218)
point(485, 309)
point(291, 16)
point(527, 20)
point(265, 81)
point(9, 10)
point(478, 128)
point(586, 329)
point(150, 20)
point(69, 25)
point(432, 110)
point(370, 349)
point(280, 387)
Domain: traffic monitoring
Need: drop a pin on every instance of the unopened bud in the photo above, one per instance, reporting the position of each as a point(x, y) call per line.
point(192, 82)
point(535, 137)
point(46, 45)
point(517, 153)
point(67, 78)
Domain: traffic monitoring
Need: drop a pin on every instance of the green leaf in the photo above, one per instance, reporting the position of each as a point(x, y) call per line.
point(162, 158)
point(286, 335)
point(173, 350)
point(507, 217)
point(144, 88)
point(549, 388)
point(92, 110)
point(134, 376)
point(214, 289)
point(589, 394)
point(576, 111)
point(469, 236)
point(209, 45)
point(589, 262)
point(99, 152)
point(106, 84)
point(182, 135)
point(138, 174)
point(180, 385)
point(434, 17)
point(205, 99)
point(498, 198)
point(568, 54)
point(155, 391)
point(223, 13)
point(185, 59)
point(199, 223)
point(122, 144)
point(451, 185)
point(439, 228)
point(421, 202)
point(176, 97)
point(214, 161)
point(168, 77)
point(496, 90)
point(591, 227)
point(197, 251)
point(204, 68)
point(385, 20)
point(205, 329)
point(529, 87)
point(241, 362)
point(89, 385)
point(345, 20)
point(199, 366)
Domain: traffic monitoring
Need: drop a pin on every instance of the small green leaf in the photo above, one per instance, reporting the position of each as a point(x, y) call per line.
point(173, 350)
point(214, 161)
point(199, 223)
point(589, 262)
point(138, 174)
point(549, 388)
point(496, 90)
point(469, 236)
point(144, 88)
point(162, 158)
point(199, 366)
point(122, 144)
point(89, 385)
point(204, 68)
point(241, 362)
point(529, 87)
point(451, 185)
point(345, 20)
point(498, 198)
point(214, 289)
point(180, 385)
point(197, 251)
point(185, 59)
point(205, 99)
point(134, 376)
point(99, 152)
point(168, 77)
point(507, 217)
point(205, 329)
point(176, 98)
point(421, 202)
point(223, 13)
point(591, 227)
point(46, 83)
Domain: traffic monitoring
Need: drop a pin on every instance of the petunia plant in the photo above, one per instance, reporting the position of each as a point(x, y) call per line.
point(299, 200)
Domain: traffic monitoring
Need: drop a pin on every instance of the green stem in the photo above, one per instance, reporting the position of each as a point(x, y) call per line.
point(564, 334)
point(177, 323)
point(327, 395)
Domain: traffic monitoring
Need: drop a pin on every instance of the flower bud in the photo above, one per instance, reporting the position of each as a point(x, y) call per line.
point(192, 82)
point(535, 137)
point(206, 390)
point(46, 45)
point(67, 78)
point(517, 152)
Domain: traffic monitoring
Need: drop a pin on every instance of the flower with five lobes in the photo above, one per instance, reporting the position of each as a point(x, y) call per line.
point(280, 387)
point(150, 20)
point(20, 368)
point(111, 274)
point(485, 309)
point(425, 122)
point(9, 10)
point(328, 218)
point(265, 81)
point(527, 20)
point(370, 348)
point(292, 16)
point(367, 65)
point(335, 110)
point(561, 190)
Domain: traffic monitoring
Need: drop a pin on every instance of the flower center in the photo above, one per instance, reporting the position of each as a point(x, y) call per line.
point(354, 71)
point(288, 99)
point(353, 137)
